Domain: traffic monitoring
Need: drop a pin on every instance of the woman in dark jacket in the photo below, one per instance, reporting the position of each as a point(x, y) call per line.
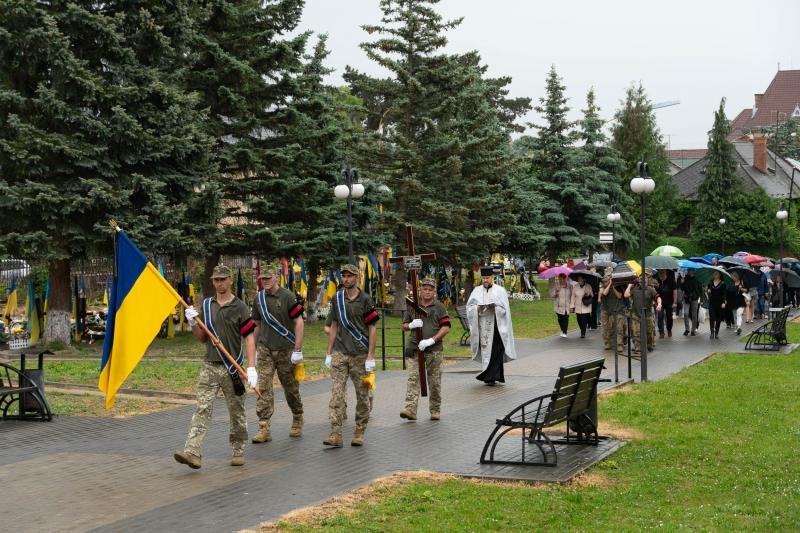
point(717, 296)
point(736, 301)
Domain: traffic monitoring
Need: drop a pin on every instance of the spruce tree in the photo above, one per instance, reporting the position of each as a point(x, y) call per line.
point(636, 137)
point(602, 167)
point(95, 126)
point(552, 162)
point(442, 132)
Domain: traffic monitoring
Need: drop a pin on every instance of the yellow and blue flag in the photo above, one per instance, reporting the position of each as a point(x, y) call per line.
point(34, 323)
point(11, 303)
point(140, 300)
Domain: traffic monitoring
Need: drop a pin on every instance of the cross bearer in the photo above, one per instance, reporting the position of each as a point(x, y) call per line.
point(434, 327)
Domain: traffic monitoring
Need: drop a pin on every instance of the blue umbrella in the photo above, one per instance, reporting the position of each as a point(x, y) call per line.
point(701, 260)
point(689, 263)
point(711, 256)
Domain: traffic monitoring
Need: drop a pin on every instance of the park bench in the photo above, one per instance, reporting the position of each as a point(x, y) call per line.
point(461, 312)
point(573, 402)
point(770, 336)
point(22, 391)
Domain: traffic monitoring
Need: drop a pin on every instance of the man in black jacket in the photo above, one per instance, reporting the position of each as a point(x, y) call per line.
point(691, 300)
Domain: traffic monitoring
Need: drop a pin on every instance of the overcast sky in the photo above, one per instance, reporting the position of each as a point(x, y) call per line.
point(695, 51)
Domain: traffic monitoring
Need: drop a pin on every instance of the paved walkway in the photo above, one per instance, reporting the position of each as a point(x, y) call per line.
point(100, 474)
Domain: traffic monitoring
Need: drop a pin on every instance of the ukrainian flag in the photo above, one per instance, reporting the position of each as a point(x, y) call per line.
point(34, 326)
point(140, 300)
point(11, 303)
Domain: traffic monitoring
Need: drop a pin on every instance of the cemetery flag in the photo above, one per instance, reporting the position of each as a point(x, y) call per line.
point(139, 302)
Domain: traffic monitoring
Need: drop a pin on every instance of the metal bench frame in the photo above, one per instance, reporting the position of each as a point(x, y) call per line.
point(771, 336)
point(572, 402)
point(22, 392)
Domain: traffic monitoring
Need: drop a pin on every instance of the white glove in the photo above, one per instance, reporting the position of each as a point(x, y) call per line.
point(416, 323)
point(252, 377)
point(297, 357)
point(369, 365)
point(328, 360)
point(424, 344)
point(191, 313)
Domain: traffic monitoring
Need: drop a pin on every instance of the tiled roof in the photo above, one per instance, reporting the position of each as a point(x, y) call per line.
point(775, 182)
point(691, 153)
point(779, 103)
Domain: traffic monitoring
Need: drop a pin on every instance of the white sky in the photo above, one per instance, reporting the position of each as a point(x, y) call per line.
point(692, 51)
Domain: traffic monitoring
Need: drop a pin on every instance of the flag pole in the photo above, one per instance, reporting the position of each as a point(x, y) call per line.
point(213, 338)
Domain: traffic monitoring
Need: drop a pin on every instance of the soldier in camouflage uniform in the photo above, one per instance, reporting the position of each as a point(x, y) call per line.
point(280, 348)
point(434, 327)
point(230, 319)
point(615, 314)
point(637, 300)
point(351, 353)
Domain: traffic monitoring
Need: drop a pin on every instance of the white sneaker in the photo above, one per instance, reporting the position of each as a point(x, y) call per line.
point(564, 335)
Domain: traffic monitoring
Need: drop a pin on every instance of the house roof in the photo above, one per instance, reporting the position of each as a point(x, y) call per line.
point(690, 153)
point(779, 102)
point(775, 182)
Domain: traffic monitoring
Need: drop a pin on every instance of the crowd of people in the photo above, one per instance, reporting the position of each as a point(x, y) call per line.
point(599, 300)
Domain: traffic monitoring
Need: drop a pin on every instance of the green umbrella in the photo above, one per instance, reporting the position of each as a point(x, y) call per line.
point(669, 250)
point(705, 274)
point(661, 262)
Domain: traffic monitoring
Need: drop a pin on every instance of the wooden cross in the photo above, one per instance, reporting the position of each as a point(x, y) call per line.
point(412, 264)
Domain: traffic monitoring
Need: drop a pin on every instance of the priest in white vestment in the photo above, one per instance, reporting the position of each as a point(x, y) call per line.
point(491, 334)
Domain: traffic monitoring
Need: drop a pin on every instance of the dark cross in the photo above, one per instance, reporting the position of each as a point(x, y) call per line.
point(412, 263)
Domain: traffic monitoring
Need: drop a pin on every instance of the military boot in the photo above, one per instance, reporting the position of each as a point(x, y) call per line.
point(188, 458)
point(263, 434)
point(408, 414)
point(297, 426)
point(358, 437)
point(334, 439)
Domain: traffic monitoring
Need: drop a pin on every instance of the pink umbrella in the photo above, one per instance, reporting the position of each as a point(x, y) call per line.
point(753, 259)
point(555, 271)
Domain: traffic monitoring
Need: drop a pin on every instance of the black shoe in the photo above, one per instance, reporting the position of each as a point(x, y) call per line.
point(693, 334)
point(685, 332)
point(660, 335)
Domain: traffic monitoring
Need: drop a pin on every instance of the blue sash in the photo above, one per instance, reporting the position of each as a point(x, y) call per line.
point(274, 324)
point(346, 323)
point(207, 317)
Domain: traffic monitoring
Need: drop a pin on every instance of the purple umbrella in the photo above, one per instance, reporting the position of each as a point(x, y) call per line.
point(555, 271)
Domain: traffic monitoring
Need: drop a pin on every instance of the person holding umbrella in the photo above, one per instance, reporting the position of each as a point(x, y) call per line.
point(691, 302)
point(561, 293)
point(717, 295)
point(736, 301)
point(582, 302)
point(668, 290)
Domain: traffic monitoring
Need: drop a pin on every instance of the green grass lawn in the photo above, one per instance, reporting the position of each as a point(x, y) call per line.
point(717, 452)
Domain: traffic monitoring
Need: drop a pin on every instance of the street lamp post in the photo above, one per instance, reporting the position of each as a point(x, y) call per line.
point(781, 215)
point(722, 222)
point(613, 217)
point(351, 189)
point(642, 185)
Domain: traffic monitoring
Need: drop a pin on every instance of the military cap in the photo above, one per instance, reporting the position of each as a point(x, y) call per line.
point(268, 272)
point(428, 281)
point(347, 267)
point(221, 272)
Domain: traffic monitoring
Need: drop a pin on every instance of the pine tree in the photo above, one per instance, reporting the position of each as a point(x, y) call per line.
point(636, 136)
point(749, 216)
point(551, 163)
point(95, 126)
point(602, 166)
point(442, 135)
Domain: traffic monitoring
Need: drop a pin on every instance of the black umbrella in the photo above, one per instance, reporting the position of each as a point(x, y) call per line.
point(790, 279)
point(730, 260)
point(749, 277)
point(582, 272)
point(604, 264)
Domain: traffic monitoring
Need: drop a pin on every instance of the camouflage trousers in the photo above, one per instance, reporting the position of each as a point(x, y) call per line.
point(614, 323)
point(433, 366)
point(269, 362)
point(636, 330)
point(214, 377)
point(342, 367)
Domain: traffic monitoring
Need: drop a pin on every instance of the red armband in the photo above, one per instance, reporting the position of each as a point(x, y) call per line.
point(371, 316)
point(296, 311)
point(247, 327)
